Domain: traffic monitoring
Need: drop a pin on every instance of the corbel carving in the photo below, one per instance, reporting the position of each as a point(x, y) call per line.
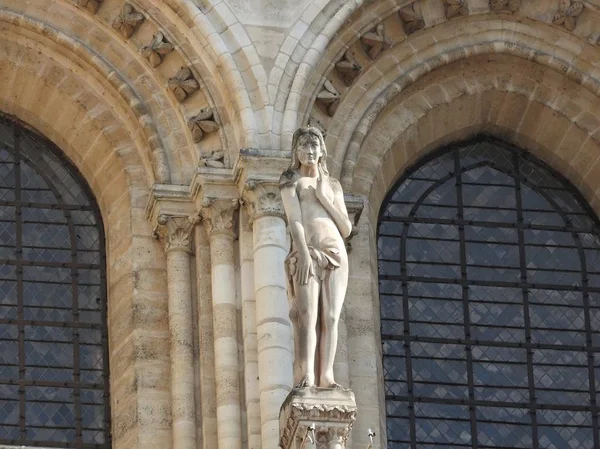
point(348, 68)
point(505, 6)
point(455, 8)
point(175, 231)
point(375, 41)
point(214, 159)
point(329, 97)
point(412, 18)
point(183, 84)
point(262, 199)
point(128, 21)
point(568, 11)
point(156, 49)
point(217, 215)
point(202, 123)
point(91, 5)
point(312, 121)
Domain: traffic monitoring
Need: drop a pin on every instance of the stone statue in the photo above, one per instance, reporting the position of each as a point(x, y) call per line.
point(317, 266)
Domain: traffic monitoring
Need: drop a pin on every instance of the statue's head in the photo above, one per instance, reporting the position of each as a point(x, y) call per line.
point(306, 138)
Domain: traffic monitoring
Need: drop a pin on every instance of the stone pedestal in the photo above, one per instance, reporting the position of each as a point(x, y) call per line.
point(332, 411)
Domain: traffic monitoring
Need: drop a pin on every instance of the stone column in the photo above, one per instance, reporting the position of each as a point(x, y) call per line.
point(251, 377)
point(274, 333)
point(177, 232)
point(218, 221)
point(206, 346)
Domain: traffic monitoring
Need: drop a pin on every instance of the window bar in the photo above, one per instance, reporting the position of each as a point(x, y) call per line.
point(465, 298)
point(19, 273)
point(589, 342)
point(406, 332)
point(526, 316)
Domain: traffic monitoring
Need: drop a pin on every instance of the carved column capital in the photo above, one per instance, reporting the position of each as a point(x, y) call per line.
point(176, 232)
point(262, 198)
point(217, 215)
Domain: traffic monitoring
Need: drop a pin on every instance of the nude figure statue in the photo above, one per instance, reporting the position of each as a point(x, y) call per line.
point(317, 266)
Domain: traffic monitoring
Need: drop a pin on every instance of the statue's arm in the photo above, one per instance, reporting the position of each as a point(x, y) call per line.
point(336, 208)
point(291, 205)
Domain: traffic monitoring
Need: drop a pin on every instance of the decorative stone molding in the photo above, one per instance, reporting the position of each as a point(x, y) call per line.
point(91, 5)
point(455, 8)
point(506, 6)
point(217, 215)
point(329, 97)
point(354, 206)
point(312, 121)
point(375, 41)
point(261, 199)
point(156, 49)
point(202, 123)
point(412, 18)
point(128, 21)
point(332, 412)
point(568, 11)
point(214, 159)
point(176, 231)
point(183, 84)
point(348, 68)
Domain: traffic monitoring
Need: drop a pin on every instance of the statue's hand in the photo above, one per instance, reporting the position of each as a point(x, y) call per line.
point(323, 190)
point(304, 267)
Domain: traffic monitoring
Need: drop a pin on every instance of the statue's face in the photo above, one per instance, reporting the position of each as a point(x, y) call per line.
point(309, 150)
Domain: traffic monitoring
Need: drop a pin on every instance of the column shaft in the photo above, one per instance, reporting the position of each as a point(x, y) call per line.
point(182, 353)
point(206, 346)
point(249, 336)
point(275, 353)
point(229, 425)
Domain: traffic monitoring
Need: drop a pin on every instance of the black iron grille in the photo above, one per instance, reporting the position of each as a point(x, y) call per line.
point(489, 280)
point(53, 339)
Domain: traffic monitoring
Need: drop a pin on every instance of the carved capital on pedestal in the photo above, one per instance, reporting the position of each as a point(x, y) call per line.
point(217, 215)
point(332, 411)
point(176, 232)
point(261, 199)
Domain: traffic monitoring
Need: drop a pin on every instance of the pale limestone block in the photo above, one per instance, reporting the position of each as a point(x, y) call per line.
point(267, 13)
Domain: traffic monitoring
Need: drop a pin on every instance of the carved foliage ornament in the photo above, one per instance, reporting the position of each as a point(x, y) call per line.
point(91, 5)
point(305, 412)
point(375, 41)
point(217, 215)
point(128, 21)
point(157, 48)
point(456, 8)
point(507, 6)
point(176, 232)
point(262, 199)
point(329, 97)
point(183, 84)
point(412, 18)
point(202, 123)
point(348, 68)
point(567, 14)
point(214, 159)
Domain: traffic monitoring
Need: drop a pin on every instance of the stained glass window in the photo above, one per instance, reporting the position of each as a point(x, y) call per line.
point(489, 280)
point(53, 340)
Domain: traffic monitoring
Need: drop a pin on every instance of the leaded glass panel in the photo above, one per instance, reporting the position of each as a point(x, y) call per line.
point(489, 279)
point(53, 345)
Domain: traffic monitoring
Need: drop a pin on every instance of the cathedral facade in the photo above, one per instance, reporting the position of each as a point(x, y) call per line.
point(143, 300)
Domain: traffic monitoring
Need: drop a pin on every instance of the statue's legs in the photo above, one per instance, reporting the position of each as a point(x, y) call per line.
point(333, 292)
point(306, 314)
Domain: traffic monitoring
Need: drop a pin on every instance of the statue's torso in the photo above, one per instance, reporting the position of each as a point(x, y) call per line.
point(318, 224)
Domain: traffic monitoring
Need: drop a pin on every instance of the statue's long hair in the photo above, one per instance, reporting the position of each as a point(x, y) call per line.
point(308, 131)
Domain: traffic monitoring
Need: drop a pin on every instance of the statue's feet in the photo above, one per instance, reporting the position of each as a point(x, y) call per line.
point(328, 382)
point(306, 382)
